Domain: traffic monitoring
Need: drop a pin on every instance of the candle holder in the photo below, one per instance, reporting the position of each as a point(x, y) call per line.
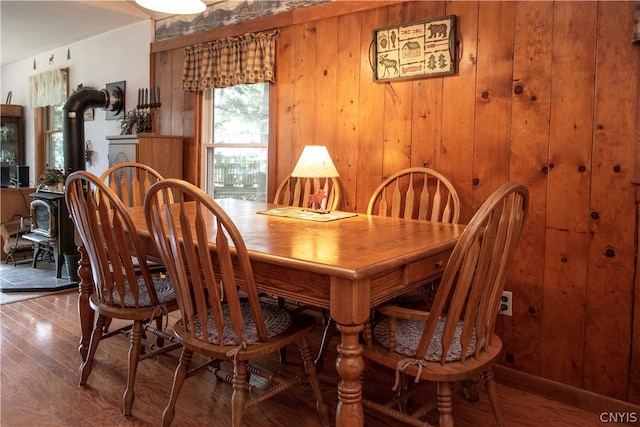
point(148, 99)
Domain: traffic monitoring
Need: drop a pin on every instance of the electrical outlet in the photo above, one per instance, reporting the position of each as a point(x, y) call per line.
point(506, 302)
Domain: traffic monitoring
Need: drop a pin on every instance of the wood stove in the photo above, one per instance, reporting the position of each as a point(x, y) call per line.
point(51, 229)
point(43, 218)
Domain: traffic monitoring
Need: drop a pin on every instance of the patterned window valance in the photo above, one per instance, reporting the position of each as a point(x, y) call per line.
point(245, 59)
point(48, 88)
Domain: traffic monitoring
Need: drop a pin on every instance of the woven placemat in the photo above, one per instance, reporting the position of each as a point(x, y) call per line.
point(307, 214)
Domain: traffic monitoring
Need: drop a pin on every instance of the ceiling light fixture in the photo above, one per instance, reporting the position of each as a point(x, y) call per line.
point(174, 7)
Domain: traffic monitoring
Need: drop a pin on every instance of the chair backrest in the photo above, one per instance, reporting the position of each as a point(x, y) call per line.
point(205, 257)
point(294, 191)
point(130, 181)
point(468, 296)
point(107, 231)
point(416, 193)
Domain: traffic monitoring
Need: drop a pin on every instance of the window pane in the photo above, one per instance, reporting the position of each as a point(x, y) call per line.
point(56, 116)
point(241, 114)
point(55, 151)
point(237, 173)
point(238, 134)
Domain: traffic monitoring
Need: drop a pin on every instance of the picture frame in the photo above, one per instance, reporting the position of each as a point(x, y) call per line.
point(89, 115)
point(415, 50)
point(119, 89)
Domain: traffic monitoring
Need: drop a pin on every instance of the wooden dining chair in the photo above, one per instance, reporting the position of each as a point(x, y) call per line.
point(130, 181)
point(122, 289)
point(294, 191)
point(416, 193)
point(455, 340)
point(222, 316)
point(413, 193)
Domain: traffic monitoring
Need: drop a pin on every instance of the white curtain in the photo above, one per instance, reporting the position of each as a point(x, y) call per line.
point(48, 88)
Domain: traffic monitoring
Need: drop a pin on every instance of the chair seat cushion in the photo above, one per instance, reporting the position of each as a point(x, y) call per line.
point(164, 291)
point(276, 320)
point(409, 332)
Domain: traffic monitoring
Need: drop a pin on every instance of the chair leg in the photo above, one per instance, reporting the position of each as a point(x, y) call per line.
point(312, 372)
point(493, 396)
point(444, 405)
point(471, 389)
point(182, 371)
point(159, 339)
point(327, 334)
point(282, 353)
point(96, 335)
point(134, 357)
point(238, 396)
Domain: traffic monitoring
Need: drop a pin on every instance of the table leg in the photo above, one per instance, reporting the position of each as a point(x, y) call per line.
point(84, 309)
point(349, 365)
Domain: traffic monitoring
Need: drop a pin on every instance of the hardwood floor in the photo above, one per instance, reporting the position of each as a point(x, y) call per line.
point(39, 383)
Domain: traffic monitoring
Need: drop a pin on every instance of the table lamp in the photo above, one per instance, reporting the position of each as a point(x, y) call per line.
point(315, 162)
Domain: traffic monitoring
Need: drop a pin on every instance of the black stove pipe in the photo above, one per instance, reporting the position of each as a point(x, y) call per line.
point(73, 122)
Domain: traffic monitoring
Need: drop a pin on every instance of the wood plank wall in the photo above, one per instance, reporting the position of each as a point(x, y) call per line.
point(547, 93)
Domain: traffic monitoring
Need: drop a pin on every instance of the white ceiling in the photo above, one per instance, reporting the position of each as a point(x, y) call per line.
point(30, 27)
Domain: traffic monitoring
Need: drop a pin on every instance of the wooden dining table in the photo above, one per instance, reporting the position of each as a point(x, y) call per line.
point(346, 266)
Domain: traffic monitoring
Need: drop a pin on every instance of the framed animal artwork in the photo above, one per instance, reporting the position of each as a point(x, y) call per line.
point(415, 50)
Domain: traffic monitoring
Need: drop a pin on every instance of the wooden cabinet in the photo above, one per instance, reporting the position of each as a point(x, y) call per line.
point(161, 152)
point(12, 145)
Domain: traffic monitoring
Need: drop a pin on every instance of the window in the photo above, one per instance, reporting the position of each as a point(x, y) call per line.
point(236, 137)
point(48, 119)
point(53, 137)
point(49, 141)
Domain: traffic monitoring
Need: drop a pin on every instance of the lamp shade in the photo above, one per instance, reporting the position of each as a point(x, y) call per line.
point(315, 162)
point(174, 7)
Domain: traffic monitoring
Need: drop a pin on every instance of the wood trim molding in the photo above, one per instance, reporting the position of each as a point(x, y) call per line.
point(636, 177)
point(40, 154)
point(296, 16)
point(583, 399)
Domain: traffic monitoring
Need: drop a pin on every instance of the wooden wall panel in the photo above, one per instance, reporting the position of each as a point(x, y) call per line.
point(284, 93)
point(347, 105)
point(426, 120)
point(529, 157)
point(371, 114)
point(323, 84)
point(459, 107)
point(612, 247)
point(565, 274)
point(304, 95)
point(493, 99)
point(559, 84)
point(634, 360)
point(573, 59)
point(163, 79)
point(398, 101)
point(177, 94)
point(571, 118)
